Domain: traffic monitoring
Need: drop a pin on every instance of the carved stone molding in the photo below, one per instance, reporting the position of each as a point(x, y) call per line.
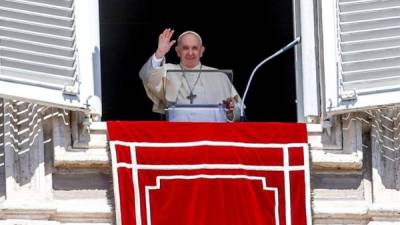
point(386, 155)
point(24, 154)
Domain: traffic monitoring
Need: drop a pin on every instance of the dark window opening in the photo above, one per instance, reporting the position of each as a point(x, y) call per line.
point(237, 37)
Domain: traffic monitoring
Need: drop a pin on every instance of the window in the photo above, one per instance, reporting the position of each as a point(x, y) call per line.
point(49, 53)
point(361, 54)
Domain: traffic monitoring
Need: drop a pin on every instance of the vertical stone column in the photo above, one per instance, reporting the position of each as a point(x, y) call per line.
point(386, 155)
point(26, 180)
point(2, 158)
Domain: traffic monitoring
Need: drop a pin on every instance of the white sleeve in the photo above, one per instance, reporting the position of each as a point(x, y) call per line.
point(156, 63)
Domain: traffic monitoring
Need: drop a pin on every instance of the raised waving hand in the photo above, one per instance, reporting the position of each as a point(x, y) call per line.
point(164, 43)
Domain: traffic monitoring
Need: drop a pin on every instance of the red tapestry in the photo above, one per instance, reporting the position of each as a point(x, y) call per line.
point(210, 173)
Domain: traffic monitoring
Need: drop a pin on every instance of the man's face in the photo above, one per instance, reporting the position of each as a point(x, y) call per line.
point(189, 50)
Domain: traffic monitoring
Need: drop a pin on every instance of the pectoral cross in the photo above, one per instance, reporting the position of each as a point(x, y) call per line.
point(191, 96)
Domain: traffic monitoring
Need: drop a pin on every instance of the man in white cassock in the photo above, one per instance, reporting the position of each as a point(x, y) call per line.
point(186, 88)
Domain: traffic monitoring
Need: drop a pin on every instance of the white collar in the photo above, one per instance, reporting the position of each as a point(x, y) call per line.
point(197, 67)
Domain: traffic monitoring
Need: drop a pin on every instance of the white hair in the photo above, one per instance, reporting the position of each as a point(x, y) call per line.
point(190, 32)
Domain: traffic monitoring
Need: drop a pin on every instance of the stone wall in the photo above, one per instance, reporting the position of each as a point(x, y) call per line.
point(355, 169)
point(54, 170)
point(47, 176)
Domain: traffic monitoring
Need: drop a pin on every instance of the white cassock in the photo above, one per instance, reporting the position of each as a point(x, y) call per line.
point(165, 89)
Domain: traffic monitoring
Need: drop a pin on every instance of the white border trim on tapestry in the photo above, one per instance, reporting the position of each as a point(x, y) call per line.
point(115, 182)
point(135, 167)
point(192, 177)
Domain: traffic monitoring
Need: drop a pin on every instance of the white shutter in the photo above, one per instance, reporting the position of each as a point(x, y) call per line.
point(39, 58)
point(368, 67)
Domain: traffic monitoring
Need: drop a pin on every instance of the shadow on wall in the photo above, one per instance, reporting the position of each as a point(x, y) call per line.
point(385, 146)
point(25, 135)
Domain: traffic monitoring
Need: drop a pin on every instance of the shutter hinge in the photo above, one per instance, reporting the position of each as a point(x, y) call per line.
point(71, 89)
point(349, 95)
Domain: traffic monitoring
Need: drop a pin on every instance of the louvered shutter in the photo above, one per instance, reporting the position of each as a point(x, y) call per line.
point(368, 67)
point(39, 57)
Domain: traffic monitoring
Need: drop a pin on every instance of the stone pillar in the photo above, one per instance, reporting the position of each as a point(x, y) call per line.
point(26, 180)
point(2, 158)
point(386, 155)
